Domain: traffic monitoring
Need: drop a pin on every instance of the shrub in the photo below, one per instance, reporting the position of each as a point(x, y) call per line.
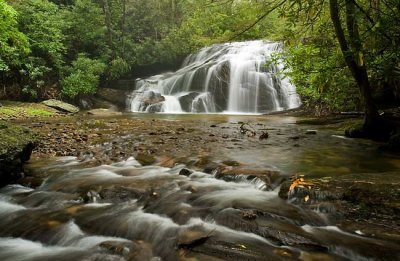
point(83, 77)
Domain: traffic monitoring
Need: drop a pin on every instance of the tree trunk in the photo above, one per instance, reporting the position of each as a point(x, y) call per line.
point(354, 60)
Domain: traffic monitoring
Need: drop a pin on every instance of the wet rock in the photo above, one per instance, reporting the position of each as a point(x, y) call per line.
point(145, 159)
point(61, 106)
point(264, 135)
point(318, 191)
point(117, 247)
point(115, 96)
point(231, 163)
point(210, 167)
point(271, 178)
point(91, 196)
point(186, 100)
point(353, 198)
point(166, 161)
point(311, 132)
point(249, 214)
point(157, 107)
point(123, 194)
point(185, 172)
point(269, 227)
point(142, 251)
point(193, 236)
point(150, 98)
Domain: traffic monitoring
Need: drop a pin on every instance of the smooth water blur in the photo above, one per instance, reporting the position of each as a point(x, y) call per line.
point(125, 211)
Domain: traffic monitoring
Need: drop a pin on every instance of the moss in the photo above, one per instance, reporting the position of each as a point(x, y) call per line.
point(7, 111)
point(13, 139)
point(33, 112)
point(22, 110)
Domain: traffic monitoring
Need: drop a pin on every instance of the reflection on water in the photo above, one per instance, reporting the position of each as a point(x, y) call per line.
point(290, 149)
point(125, 211)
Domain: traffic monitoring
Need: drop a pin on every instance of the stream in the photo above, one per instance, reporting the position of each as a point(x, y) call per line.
point(186, 211)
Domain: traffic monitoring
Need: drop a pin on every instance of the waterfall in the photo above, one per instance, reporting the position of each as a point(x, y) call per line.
point(232, 78)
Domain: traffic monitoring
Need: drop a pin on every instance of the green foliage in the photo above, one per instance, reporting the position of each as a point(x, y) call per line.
point(316, 64)
point(38, 38)
point(85, 30)
point(41, 21)
point(13, 43)
point(117, 68)
point(33, 72)
point(83, 78)
point(321, 77)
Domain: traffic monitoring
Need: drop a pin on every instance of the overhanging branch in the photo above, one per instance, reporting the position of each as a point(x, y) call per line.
point(259, 19)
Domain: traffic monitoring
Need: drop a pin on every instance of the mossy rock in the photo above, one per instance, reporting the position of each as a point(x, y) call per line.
point(16, 145)
point(61, 106)
point(355, 130)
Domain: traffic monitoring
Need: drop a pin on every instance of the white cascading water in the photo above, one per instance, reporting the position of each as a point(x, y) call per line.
point(227, 78)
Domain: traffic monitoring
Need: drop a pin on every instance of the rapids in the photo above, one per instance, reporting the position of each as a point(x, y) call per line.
point(238, 77)
point(127, 211)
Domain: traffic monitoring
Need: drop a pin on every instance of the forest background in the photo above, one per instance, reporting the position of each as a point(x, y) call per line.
point(343, 55)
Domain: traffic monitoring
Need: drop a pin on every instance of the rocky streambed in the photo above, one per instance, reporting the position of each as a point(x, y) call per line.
point(195, 187)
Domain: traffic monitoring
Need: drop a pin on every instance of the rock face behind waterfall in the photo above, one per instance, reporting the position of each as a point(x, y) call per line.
point(234, 78)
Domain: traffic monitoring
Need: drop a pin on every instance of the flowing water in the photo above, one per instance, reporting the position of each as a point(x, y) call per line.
point(126, 211)
point(236, 77)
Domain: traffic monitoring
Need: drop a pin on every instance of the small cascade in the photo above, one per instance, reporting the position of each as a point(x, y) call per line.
point(231, 78)
point(171, 104)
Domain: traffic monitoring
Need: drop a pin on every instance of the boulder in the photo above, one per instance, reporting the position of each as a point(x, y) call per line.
point(187, 99)
point(61, 106)
point(16, 145)
point(148, 100)
point(117, 97)
point(367, 202)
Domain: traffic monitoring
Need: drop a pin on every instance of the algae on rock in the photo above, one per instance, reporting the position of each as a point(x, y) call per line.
point(16, 145)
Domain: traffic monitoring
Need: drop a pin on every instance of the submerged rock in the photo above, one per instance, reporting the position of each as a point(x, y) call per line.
point(270, 178)
point(103, 112)
point(145, 159)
